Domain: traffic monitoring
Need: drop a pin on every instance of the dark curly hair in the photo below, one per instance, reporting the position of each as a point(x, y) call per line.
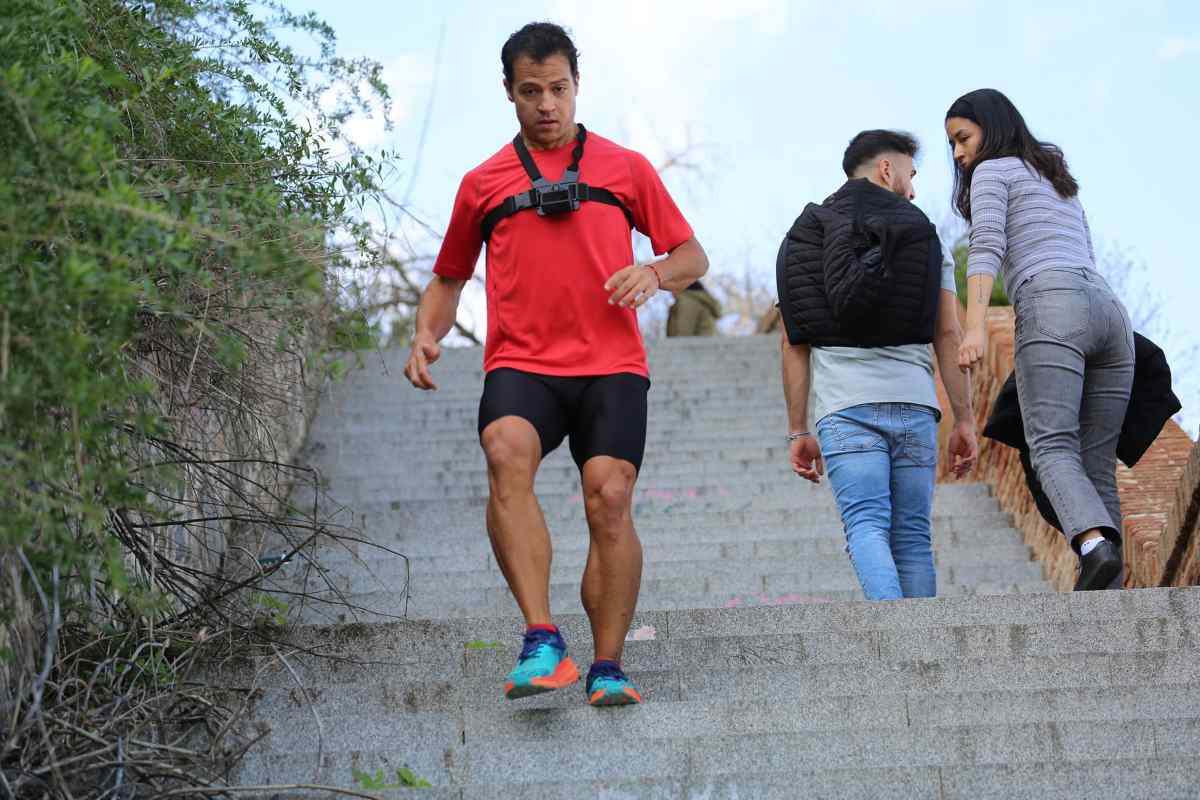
point(1005, 134)
point(539, 41)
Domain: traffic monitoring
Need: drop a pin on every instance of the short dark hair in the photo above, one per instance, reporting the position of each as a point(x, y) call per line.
point(872, 144)
point(539, 41)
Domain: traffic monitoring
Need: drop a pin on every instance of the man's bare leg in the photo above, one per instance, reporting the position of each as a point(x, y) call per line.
point(516, 526)
point(613, 574)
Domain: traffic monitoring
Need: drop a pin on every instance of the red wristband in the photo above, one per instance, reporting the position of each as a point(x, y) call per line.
point(657, 277)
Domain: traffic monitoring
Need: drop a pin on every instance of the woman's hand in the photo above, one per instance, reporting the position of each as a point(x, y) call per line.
point(972, 349)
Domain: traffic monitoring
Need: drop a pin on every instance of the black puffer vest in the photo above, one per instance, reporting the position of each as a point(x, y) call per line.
point(862, 269)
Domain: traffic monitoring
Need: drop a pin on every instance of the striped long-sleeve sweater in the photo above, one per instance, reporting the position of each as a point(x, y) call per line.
point(1020, 226)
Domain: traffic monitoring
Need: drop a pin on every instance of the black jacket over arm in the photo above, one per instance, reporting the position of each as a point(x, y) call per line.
point(862, 269)
point(1151, 403)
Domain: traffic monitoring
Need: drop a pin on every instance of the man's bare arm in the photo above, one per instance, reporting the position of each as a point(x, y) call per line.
point(435, 318)
point(637, 283)
point(803, 452)
point(439, 307)
point(684, 265)
point(946, 342)
point(796, 378)
point(963, 445)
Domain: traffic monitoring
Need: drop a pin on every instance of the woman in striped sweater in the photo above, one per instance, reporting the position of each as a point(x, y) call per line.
point(1074, 341)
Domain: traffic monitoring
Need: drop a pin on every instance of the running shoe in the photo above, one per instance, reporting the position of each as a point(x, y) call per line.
point(543, 666)
point(607, 685)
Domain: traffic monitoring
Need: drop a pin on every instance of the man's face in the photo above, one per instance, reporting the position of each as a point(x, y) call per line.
point(899, 172)
point(544, 95)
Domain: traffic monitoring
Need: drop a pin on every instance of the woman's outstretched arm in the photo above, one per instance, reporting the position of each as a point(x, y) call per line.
point(988, 246)
point(974, 341)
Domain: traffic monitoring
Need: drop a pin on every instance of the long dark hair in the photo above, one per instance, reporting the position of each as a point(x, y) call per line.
point(1005, 134)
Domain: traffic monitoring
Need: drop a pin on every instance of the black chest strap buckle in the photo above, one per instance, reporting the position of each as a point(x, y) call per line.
point(550, 199)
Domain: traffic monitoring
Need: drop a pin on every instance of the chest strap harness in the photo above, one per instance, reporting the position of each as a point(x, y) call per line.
point(551, 198)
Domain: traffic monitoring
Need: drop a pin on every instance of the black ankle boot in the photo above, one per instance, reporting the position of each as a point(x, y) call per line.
point(1098, 568)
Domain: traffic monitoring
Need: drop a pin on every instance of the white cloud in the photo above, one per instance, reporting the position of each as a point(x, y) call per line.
point(644, 64)
point(409, 78)
point(1177, 47)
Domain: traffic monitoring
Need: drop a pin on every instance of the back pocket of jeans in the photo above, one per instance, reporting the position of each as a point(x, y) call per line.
point(1062, 313)
point(920, 436)
point(836, 435)
point(1126, 326)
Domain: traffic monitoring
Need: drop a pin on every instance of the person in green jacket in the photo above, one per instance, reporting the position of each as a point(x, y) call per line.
point(695, 312)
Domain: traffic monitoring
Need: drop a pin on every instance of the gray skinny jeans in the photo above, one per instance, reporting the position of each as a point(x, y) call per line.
point(1074, 365)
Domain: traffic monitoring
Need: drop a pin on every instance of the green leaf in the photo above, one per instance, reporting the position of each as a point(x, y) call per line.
point(409, 779)
point(367, 781)
point(480, 644)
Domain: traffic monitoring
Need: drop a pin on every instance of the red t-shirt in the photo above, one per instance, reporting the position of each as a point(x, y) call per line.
point(547, 308)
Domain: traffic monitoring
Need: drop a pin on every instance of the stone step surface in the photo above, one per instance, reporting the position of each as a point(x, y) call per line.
point(659, 595)
point(764, 674)
point(720, 506)
point(741, 531)
point(1159, 779)
point(421, 582)
point(956, 563)
point(470, 552)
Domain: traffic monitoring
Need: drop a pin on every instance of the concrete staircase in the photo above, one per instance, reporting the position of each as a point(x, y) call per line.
point(764, 674)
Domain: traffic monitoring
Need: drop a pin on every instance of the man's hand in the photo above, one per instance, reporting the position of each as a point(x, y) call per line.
point(425, 351)
point(806, 458)
point(632, 286)
point(972, 349)
point(964, 447)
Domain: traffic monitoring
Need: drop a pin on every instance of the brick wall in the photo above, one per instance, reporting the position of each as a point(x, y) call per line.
point(1160, 497)
point(1180, 540)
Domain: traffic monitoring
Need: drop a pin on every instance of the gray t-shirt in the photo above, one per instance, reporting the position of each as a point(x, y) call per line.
point(843, 377)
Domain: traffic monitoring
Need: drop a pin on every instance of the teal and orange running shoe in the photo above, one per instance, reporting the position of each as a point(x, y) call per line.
point(608, 685)
point(543, 666)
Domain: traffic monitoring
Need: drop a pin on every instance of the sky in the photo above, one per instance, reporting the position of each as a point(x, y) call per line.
point(765, 94)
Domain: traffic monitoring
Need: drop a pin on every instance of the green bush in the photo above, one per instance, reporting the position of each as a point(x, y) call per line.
point(176, 204)
point(171, 175)
point(999, 296)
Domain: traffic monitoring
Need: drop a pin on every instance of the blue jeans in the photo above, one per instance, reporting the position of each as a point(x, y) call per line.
point(881, 460)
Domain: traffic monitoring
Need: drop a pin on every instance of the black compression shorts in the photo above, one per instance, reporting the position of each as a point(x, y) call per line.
point(604, 415)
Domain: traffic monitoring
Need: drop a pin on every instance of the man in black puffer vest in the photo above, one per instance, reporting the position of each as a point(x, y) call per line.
point(861, 269)
point(864, 289)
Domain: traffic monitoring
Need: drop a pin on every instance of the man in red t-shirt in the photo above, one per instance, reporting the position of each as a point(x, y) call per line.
point(564, 355)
